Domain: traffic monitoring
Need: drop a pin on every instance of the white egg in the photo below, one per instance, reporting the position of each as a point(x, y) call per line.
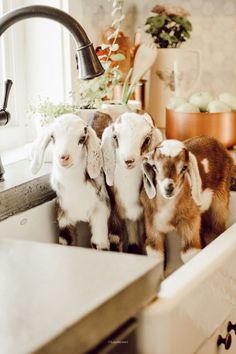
point(229, 99)
point(201, 100)
point(175, 101)
point(187, 108)
point(218, 106)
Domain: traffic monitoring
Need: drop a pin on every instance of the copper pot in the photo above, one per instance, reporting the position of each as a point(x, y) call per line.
point(182, 126)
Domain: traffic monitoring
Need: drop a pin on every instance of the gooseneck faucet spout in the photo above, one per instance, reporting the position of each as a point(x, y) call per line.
point(88, 63)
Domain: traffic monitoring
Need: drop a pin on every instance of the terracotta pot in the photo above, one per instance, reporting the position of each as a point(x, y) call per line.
point(221, 126)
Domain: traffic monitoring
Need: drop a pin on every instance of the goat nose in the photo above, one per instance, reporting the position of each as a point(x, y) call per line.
point(65, 157)
point(170, 188)
point(129, 162)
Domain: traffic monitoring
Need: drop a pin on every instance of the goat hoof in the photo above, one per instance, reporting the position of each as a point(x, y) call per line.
point(115, 243)
point(135, 249)
point(63, 241)
point(100, 246)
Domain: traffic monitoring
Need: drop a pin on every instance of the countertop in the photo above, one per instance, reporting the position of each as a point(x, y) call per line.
point(65, 300)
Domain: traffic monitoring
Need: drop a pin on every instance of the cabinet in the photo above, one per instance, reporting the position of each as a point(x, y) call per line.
point(228, 332)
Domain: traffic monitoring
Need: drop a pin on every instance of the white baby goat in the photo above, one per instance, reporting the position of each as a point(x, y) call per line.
point(77, 178)
point(123, 144)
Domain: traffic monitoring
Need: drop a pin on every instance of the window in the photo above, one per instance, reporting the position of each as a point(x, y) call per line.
point(35, 55)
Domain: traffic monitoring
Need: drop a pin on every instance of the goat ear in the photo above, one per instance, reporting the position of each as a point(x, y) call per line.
point(38, 149)
point(109, 155)
point(94, 154)
point(194, 179)
point(156, 138)
point(149, 179)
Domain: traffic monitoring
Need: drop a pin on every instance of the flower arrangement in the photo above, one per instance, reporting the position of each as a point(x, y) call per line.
point(45, 110)
point(91, 93)
point(169, 27)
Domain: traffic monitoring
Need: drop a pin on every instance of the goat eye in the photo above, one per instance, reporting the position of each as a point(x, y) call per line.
point(53, 138)
point(146, 143)
point(82, 139)
point(155, 168)
point(184, 168)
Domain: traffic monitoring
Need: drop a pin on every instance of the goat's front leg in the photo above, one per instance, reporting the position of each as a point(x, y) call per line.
point(68, 235)
point(134, 243)
point(67, 231)
point(99, 227)
point(155, 246)
point(189, 231)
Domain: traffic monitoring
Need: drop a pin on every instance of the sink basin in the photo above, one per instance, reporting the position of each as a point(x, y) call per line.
point(192, 302)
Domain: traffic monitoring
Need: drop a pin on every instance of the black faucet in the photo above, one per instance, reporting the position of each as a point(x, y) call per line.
point(87, 61)
point(4, 118)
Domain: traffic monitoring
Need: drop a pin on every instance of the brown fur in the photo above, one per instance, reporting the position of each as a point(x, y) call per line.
point(100, 122)
point(67, 233)
point(116, 224)
point(195, 230)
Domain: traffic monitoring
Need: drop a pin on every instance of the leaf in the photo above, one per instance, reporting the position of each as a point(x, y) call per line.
point(117, 57)
point(116, 9)
point(125, 96)
point(113, 35)
point(156, 21)
point(118, 20)
point(114, 47)
point(183, 21)
point(165, 36)
point(105, 46)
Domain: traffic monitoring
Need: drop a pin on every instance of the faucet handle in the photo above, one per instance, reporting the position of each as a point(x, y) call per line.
point(4, 114)
point(8, 85)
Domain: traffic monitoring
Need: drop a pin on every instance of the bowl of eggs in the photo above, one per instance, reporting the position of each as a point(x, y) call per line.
point(201, 114)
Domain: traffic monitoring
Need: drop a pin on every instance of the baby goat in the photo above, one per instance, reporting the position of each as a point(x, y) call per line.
point(183, 181)
point(77, 178)
point(123, 144)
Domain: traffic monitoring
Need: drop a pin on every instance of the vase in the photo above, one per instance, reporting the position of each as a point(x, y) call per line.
point(87, 114)
point(176, 72)
point(114, 108)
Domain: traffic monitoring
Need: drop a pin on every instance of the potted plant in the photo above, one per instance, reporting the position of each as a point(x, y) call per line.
point(176, 70)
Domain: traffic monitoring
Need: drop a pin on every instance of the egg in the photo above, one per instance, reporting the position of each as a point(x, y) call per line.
point(175, 101)
point(218, 106)
point(229, 99)
point(201, 100)
point(187, 108)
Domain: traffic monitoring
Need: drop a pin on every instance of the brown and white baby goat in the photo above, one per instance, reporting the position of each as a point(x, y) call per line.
point(187, 189)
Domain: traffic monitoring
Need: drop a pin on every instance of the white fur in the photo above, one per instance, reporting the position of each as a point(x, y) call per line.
point(151, 252)
point(131, 130)
point(164, 215)
point(127, 184)
point(206, 199)
point(205, 163)
point(189, 254)
point(80, 200)
point(195, 179)
point(164, 184)
point(171, 148)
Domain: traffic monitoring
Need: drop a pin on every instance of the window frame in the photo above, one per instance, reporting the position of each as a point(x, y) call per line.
point(20, 130)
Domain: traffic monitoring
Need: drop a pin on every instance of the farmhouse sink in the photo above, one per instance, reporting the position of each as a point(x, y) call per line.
point(192, 308)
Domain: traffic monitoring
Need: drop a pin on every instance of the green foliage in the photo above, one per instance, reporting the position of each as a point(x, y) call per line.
point(91, 93)
point(45, 110)
point(169, 31)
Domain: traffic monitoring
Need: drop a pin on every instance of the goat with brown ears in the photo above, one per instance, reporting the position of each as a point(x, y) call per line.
point(186, 188)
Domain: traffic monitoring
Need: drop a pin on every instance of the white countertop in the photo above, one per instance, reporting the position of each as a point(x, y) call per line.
point(57, 299)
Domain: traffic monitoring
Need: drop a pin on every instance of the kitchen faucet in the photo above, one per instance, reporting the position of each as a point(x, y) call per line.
point(88, 64)
point(4, 117)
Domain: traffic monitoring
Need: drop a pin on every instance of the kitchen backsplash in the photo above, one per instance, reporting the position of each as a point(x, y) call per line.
point(214, 34)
